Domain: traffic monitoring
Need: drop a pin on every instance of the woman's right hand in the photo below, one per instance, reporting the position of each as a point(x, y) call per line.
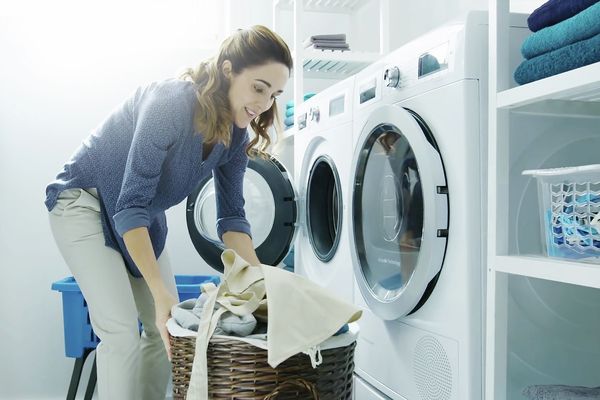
point(163, 302)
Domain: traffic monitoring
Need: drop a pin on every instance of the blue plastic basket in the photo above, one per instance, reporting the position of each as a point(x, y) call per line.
point(79, 334)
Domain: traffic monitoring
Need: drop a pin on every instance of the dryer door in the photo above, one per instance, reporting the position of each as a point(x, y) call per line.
point(399, 212)
point(270, 208)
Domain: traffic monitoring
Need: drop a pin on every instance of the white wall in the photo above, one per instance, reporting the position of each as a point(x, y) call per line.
point(62, 70)
point(61, 73)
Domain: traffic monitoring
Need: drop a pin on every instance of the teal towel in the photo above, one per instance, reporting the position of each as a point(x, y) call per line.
point(564, 59)
point(289, 112)
point(307, 96)
point(289, 121)
point(579, 27)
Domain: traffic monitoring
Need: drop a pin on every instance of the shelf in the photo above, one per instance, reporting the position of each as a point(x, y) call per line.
point(334, 6)
point(550, 269)
point(575, 92)
point(329, 64)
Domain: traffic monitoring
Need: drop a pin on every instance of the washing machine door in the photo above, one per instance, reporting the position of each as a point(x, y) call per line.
point(270, 209)
point(399, 212)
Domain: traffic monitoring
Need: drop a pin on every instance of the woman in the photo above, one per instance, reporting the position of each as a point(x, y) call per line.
point(107, 206)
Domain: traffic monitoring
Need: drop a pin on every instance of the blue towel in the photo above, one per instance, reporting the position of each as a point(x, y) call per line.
point(564, 59)
point(306, 97)
point(289, 112)
point(554, 11)
point(579, 27)
point(289, 121)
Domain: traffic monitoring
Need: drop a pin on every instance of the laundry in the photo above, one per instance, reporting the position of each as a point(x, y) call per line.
point(582, 26)
point(561, 392)
point(573, 56)
point(554, 11)
point(300, 314)
point(187, 315)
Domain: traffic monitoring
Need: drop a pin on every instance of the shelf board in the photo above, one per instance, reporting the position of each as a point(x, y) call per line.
point(575, 273)
point(334, 6)
point(575, 92)
point(329, 64)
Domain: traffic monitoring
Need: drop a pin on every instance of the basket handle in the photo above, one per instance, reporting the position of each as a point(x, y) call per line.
point(303, 384)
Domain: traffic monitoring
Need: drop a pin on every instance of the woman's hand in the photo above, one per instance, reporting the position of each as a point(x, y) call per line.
point(163, 302)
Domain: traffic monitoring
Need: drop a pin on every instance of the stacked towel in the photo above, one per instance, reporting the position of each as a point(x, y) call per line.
point(555, 62)
point(570, 43)
point(327, 42)
point(582, 26)
point(288, 120)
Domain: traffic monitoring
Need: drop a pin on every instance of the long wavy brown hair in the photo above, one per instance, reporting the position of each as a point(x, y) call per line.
point(246, 48)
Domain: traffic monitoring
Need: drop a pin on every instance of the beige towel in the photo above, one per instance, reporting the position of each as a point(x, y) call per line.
point(301, 314)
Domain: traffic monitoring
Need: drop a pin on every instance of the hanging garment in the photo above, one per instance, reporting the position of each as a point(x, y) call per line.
point(300, 314)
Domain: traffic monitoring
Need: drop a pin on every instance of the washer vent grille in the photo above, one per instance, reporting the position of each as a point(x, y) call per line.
point(433, 374)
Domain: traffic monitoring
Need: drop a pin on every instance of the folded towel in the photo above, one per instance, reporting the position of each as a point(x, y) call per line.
point(331, 46)
point(289, 121)
point(579, 27)
point(307, 96)
point(564, 59)
point(334, 38)
point(554, 11)
point(289, 111)
point(561, 392)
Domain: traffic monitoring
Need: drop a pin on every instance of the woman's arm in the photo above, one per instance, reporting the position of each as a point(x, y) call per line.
point(140, 249)
point(242, 244)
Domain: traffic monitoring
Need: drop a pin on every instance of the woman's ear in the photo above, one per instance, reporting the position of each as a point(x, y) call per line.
point(227, 69)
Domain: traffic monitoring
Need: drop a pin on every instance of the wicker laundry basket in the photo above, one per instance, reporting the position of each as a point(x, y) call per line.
point(238, 370)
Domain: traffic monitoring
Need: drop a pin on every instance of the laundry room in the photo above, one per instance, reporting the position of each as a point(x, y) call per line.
point(329, 199)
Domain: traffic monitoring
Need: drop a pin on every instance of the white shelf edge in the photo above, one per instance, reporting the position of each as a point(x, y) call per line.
point(566, 86)
point(337, 6)
point(549, 269)
point(347, 55)
point(333, 64)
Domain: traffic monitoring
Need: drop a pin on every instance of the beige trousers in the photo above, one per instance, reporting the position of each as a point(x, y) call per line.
point(129, 366)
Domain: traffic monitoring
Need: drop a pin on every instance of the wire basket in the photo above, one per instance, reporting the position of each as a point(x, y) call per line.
point(238, 370)
point(570, 211)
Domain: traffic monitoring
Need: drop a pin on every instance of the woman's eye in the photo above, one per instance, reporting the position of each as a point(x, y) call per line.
point(258, 90)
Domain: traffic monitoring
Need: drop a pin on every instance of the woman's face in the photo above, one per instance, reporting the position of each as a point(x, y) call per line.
point(253, 90)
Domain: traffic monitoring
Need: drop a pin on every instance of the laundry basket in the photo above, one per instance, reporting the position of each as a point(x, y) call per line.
point(570, 211)
point(239, 370)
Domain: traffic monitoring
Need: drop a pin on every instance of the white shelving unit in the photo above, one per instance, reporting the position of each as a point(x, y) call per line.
point(574, 93)
point(328, 64)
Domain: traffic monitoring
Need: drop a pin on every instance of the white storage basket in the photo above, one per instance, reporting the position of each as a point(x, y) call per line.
point(570, 211)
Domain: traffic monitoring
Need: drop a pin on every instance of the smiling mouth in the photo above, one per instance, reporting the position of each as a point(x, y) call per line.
point(251, 114)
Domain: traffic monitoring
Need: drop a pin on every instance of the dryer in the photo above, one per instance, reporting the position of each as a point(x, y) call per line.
point(322, 156)
point(417, 215)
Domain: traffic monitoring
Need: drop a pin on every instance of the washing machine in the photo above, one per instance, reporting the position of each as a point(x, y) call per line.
point(305, 211)
point(322, 156)
point(418, 216)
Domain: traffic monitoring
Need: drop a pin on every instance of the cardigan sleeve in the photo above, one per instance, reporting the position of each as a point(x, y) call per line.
point(229, 191)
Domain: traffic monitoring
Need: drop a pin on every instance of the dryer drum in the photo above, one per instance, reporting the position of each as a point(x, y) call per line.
point(324, 208)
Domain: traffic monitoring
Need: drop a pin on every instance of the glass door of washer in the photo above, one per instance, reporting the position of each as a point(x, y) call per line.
point(399, 212)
